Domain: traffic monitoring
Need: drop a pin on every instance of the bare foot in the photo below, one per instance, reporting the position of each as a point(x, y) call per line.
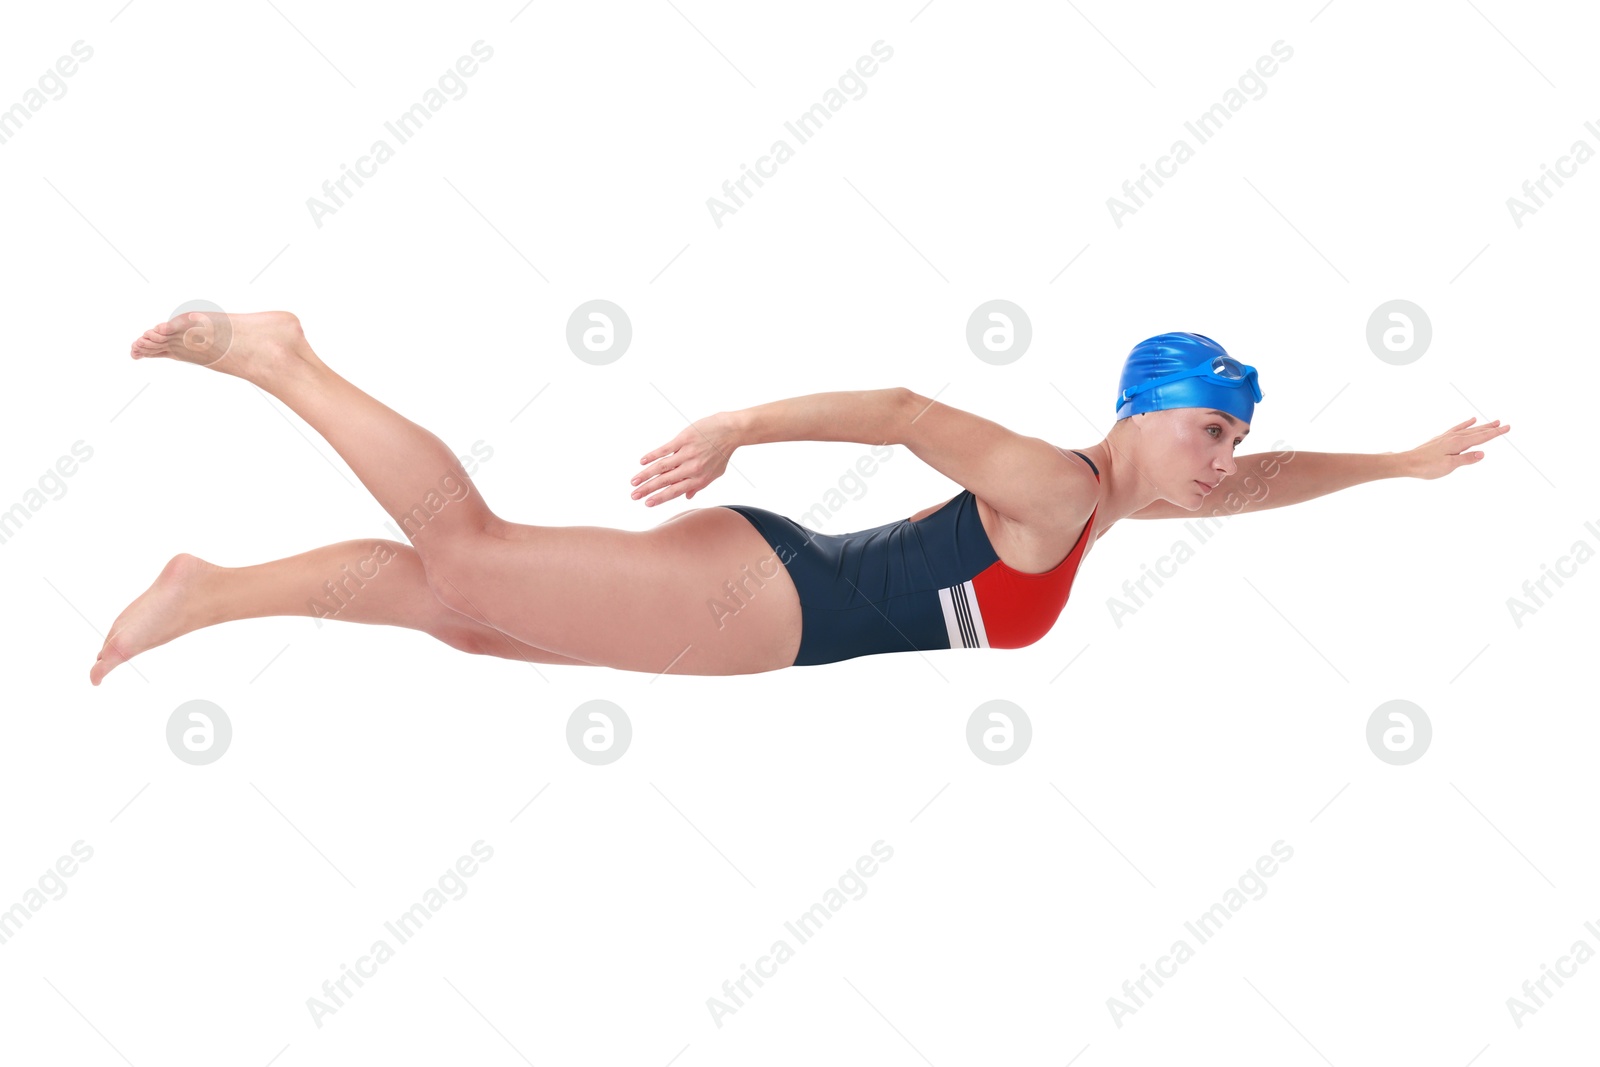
point(171, 607)
point(246, 346)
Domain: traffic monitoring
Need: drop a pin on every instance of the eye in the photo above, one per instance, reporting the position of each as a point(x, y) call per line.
point(1237, 441)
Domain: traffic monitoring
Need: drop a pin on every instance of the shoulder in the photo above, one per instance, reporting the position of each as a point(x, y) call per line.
point(1071, 494)
point(1067, 500)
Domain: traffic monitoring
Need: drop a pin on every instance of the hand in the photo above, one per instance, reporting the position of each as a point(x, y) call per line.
point(687, 463)
point(1443, 454)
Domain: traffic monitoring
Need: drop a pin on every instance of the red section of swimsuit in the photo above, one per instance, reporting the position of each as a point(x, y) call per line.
point(1019, 608)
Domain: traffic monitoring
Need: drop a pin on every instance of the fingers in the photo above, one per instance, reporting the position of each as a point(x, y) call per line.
point(663, 488)
point(1478, 439)
point(665, 450)
point(1476, 429)
point(1476, 434)
point(682, 465)
point(653, 471)
point(1482, 433)
point(659, 461)
point(667, 493)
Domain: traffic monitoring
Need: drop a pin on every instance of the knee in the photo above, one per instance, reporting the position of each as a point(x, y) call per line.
point(450, 575)
point(447, 591)
point(465, 638)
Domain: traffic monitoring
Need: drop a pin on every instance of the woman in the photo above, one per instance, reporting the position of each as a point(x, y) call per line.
point(738, 589)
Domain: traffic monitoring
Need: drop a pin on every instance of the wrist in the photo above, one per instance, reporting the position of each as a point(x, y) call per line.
point(741, 425)
point(1395, 464)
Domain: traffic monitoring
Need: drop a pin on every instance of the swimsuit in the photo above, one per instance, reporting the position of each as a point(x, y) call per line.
point(913, 586)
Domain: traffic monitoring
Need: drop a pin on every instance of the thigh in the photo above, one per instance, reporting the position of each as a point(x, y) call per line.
point(480, 639)
point(701, 594)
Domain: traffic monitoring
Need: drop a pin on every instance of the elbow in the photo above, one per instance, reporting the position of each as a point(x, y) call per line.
point(905, 405)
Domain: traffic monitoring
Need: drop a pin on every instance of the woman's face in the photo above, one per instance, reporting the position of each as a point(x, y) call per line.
point(1193, 450)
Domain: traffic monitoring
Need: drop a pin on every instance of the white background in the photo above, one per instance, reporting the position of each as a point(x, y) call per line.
point(1226, 714)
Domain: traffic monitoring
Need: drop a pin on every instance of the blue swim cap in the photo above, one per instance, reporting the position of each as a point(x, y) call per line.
point(1186, 370)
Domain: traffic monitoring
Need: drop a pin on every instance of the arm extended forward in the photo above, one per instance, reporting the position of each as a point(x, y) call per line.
point(1276, 479)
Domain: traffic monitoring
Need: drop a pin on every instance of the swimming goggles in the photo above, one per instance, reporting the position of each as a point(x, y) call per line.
point(1222, 370)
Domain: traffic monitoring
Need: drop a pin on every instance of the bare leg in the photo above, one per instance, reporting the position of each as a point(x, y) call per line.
point(375, 581)
point(617, 598)
point(414, 475)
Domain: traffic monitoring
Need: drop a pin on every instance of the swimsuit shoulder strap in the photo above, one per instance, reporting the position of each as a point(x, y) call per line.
point(1090, 462)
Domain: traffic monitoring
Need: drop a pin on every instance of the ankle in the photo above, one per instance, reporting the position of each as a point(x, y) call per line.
point(202, 586)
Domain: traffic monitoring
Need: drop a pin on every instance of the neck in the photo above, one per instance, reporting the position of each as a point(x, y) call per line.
point(1123, 489)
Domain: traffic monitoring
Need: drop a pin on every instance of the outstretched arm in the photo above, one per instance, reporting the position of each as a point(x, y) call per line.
point(1024, 478)
point(1276, 479)
point(699, 454)
point(869, 416)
